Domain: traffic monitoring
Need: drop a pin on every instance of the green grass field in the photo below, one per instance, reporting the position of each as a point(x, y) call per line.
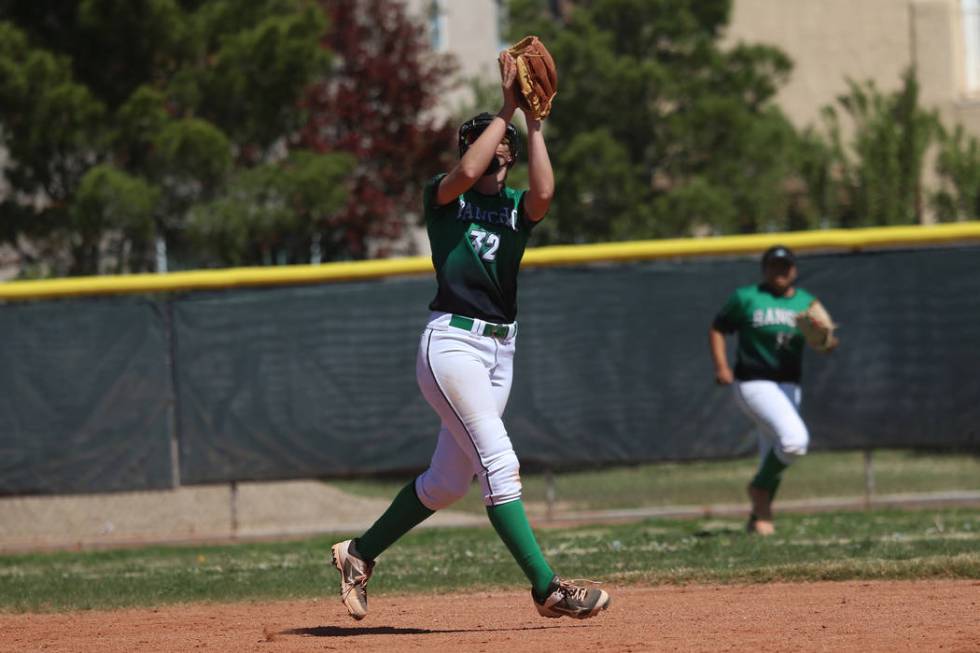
point(815, 476)
point(940, 543)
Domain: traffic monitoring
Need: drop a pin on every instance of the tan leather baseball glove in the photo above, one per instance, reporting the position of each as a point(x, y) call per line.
point(537, 76)
point(817, 327)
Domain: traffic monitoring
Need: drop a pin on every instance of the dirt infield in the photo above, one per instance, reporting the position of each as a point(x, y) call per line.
point(849, 616)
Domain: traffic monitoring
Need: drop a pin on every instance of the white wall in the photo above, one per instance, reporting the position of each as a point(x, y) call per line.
point(469, 30)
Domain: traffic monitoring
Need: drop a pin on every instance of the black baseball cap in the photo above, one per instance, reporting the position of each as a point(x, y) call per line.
point(778, 253)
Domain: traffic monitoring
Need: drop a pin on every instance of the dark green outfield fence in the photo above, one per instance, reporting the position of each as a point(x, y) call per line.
point(144, 392)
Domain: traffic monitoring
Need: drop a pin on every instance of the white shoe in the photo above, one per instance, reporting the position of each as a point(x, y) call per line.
point(758, 526)
point(354, 575)
point(565, 599)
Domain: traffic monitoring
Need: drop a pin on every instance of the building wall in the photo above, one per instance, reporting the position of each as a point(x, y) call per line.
point(830, 41)
point(468, 29)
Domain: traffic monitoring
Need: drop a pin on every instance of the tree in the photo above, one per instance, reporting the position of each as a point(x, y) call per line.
point(378, 107)
point(179, 102)
point(879, 172)
point(657, 130)
point(51, 128)
point(270, 213)
point(110, 201)
point(958, 165)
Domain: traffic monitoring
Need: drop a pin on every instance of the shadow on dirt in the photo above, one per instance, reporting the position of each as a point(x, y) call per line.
point(346, 631)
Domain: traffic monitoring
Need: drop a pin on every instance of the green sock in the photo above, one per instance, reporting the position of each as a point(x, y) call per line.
point(770, 473)
point(404, 513)
point(510, 522)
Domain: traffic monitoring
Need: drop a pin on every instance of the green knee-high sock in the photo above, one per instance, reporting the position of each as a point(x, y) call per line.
point(770, 474)
point(510, 522)
point(404, 513)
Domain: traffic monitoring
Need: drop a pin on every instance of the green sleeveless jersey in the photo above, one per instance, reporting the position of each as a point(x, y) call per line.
point(769, 344)
point(477, 245)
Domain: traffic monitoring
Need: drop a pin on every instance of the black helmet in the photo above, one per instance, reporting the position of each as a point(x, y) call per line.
point(470, 130)
point(778, 253)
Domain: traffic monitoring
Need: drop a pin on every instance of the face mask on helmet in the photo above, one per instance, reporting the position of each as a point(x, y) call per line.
point(493, 167)
point(500, 161)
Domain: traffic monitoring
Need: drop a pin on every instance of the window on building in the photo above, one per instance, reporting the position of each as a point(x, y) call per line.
point(970, 17)
point(438, 26)
point(503, 24)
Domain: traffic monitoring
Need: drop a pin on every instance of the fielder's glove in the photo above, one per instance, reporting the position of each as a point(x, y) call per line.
point(537, 76)
point(817, 327)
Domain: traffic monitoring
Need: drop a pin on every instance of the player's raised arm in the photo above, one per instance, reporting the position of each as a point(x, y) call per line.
point(541, 178)
point(474, 163)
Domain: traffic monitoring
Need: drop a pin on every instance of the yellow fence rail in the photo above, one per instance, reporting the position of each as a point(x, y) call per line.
point(801, 241)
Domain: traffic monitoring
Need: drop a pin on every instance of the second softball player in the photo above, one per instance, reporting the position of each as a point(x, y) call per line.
point(768, 367)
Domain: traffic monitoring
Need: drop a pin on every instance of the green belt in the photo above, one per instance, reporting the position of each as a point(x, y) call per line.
point(489, 330)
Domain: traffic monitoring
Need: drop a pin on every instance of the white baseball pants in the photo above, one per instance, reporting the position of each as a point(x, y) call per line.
point(775, 408)
point(466, 378)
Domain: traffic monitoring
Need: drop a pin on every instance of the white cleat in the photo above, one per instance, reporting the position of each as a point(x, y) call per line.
point(758, 526)
point(354, 575)
point(567, 599)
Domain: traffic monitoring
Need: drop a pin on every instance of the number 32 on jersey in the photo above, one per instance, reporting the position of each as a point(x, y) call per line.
point(485, 243)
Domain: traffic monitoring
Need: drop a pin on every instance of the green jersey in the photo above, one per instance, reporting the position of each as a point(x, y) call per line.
point(769, 344)
point(477, 245)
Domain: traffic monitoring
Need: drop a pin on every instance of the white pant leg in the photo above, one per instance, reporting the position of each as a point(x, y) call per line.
point(450, 471)
point(775, 408)
point(449, 475)
point(466, 378)
point(502, 373)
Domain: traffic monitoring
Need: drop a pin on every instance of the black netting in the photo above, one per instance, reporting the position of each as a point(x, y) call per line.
point(612, 367)
point(85, 396)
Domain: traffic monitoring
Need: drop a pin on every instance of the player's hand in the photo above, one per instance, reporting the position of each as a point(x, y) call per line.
point(508, 74)
point(832, 345)
point(724, 376)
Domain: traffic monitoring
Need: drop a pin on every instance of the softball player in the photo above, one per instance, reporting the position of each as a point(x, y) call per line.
point(478, 228)
point(767, 372)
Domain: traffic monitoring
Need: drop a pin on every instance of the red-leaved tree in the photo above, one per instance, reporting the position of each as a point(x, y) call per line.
point(377, 105)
